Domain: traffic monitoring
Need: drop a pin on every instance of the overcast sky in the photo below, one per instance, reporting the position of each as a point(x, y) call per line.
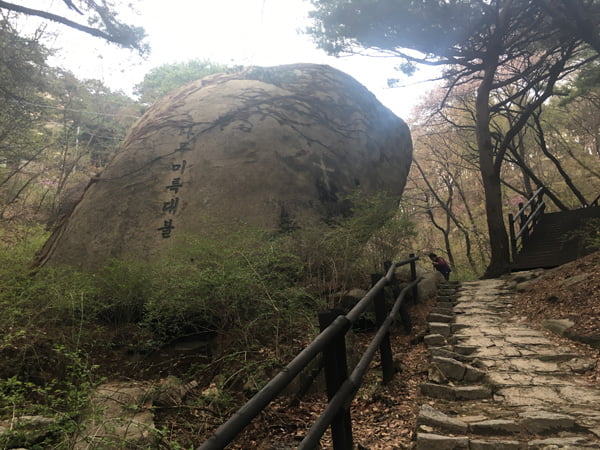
point(234, 32)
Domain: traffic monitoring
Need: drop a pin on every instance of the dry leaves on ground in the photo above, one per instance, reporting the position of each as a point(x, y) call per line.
point(570, 291)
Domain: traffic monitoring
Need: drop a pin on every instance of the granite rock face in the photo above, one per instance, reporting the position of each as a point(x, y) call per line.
point(274, 147)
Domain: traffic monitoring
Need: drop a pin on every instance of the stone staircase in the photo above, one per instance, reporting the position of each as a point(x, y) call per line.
point(497, 384)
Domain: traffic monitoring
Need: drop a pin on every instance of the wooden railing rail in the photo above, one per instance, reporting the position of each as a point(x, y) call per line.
point(340, 401)
point(526, 222)
point(341, 388)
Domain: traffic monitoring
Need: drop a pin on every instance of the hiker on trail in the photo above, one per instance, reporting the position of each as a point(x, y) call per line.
point(440, 265)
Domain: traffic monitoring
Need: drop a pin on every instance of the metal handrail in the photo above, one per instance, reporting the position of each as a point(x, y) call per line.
point(229, 430)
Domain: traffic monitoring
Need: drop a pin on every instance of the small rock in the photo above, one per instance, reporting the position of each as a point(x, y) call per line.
point(451, 368)
point(577, 279)
point(522, 287)
point(447, 353)
point(35, 420)
point(435, 375)
point(579, 365)
point(446, 292)
point(170, 392)
point(119, 413)
point(558, 326)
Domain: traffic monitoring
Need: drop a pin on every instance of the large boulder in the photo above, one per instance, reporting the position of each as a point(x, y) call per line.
point(272, 147)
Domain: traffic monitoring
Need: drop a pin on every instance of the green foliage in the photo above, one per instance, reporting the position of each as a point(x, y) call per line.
point(586, 81)
point(341, 256)
point(236, 281)
point(58, 402)
point(429, 27)
point(101, 18)
point(253, 293)
point(587, 234)
point(168, 77)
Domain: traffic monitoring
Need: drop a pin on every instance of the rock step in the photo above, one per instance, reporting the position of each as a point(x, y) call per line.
point(436, 317)
point(454, 370)
point(494, 434)
point(521, 391)
point(447, 392)
point(536, 422)
point(431, 441)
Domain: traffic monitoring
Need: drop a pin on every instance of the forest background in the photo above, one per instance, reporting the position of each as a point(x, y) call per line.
point(57, 132)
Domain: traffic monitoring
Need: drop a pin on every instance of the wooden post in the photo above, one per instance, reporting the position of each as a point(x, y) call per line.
point(385, 348)
point(336, 372)
point(513, 241)
point(413, 277)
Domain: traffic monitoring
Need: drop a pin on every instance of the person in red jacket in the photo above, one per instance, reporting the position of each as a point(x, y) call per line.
point(440, 265)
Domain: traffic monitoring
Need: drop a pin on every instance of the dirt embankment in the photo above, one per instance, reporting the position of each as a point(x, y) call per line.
point(570, 292)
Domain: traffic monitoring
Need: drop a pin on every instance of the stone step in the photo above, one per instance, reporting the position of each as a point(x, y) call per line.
point(454, 370)
point(446, 351)
point(447, 392)
point(443, 318)
point(434, 340)
point(443, 311)
point(497, 384)
point(430, 441)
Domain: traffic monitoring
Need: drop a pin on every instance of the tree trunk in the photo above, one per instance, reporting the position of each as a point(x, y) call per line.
point(490, 176)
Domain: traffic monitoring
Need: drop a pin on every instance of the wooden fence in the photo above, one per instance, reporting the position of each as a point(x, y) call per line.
point(330, 344)
point(526, 218)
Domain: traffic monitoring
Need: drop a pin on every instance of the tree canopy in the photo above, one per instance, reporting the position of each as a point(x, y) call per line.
point(487, 46)
point(102, 21)
point(163, 79)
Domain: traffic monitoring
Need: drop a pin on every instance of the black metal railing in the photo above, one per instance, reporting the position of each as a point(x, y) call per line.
point(341, 388)
point(526, 219)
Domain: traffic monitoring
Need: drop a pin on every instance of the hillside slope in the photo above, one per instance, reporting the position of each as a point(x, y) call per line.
point(568, 292)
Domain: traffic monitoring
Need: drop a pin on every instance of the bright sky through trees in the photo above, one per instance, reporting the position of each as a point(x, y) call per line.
point(233, 32)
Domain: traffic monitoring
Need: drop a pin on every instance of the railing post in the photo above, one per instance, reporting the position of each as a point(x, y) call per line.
point(513, 241)
point(385, 348)
point(336, 372)
point(413, 277)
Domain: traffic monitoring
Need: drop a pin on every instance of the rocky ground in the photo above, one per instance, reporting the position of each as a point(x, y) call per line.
point(570, 292)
